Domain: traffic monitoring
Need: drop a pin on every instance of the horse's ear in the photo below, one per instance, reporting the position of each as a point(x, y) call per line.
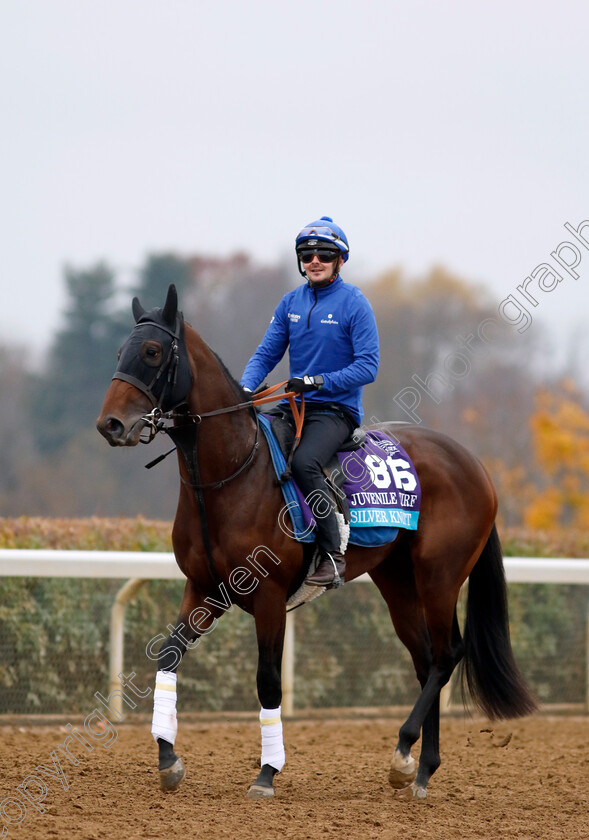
point(137, 309)
point(171, 306)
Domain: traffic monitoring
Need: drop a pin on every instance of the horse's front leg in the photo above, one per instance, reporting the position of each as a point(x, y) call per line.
point(270, 618)
point(196, 618)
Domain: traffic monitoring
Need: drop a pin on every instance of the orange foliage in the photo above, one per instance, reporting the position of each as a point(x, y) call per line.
point(514, 490)
point(560, 432)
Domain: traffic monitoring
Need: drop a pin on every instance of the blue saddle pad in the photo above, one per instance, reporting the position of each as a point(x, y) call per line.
point(381, 486)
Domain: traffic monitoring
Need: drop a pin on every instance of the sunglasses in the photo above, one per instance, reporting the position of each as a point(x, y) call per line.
point(326, 255)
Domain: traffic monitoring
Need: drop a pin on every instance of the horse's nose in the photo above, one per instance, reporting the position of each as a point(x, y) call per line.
point(111, 428)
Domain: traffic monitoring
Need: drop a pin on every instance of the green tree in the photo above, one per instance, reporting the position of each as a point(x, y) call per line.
point(159, 271)
point(69, 393)
point(14, 422)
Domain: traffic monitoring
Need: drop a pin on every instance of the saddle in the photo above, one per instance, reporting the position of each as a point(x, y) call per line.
point(283, 430)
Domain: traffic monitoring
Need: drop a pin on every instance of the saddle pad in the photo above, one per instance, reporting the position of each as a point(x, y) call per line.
point(381, 486)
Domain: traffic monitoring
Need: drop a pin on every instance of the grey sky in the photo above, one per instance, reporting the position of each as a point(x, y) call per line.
point(452, 132)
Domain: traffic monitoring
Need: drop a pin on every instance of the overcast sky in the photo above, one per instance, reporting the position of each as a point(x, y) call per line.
point(453, 133)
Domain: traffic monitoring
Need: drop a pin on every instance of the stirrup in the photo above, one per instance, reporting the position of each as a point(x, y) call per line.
point(337, 581)
point(327, 558)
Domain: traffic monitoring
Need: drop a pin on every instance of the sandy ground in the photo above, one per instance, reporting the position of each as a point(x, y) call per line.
point(534, 784)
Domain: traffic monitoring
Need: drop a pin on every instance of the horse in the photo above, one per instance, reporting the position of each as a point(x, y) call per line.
point(229, 543)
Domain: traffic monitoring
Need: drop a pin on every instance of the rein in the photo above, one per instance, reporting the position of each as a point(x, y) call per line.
point(156, 418)
point(186, 441)
point(167, 383)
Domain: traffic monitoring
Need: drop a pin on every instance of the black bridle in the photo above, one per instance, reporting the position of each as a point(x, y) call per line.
point(160, 386)
point(166, 384)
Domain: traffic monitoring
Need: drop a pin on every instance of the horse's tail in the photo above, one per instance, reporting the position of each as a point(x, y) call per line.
point(488, 668)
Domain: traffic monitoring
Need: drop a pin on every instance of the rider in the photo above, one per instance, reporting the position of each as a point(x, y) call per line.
point(330, 329)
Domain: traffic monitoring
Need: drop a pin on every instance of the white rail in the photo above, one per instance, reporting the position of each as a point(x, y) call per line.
point(20, 562)
point(139, 567)
point(148, 565)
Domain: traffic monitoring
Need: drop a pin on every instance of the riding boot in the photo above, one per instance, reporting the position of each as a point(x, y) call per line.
point(330, 572)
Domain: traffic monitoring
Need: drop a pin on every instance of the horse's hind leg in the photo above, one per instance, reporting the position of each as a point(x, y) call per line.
point(429, 759)
point(433, 664)
point(397, 586)
point(445, 653)
point(270, 618)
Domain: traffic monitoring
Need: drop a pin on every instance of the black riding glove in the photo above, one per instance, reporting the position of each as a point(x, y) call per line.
point(301, 385)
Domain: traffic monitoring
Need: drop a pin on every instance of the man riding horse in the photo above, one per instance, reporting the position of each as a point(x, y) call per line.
point(229, 512)
point(330, 331)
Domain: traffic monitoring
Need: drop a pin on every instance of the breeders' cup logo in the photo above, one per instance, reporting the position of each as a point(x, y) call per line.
point(388, 446)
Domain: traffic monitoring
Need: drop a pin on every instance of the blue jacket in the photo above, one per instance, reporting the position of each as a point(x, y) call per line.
point(330, 331)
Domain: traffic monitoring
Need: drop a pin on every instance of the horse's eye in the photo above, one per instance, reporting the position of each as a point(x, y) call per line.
point(151, 353)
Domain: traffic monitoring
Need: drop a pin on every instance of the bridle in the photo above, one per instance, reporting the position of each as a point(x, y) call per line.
point(169, 366)
point(185, 437)
point(157, 421)
point(177, 421)
point(173, 374)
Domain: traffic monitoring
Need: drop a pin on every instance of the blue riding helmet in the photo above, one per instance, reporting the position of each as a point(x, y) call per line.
point(324, 230)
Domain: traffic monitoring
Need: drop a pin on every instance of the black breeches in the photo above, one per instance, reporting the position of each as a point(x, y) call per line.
point(323, 435)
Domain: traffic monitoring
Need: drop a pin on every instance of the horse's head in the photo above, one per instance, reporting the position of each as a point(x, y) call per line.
point(153, 371)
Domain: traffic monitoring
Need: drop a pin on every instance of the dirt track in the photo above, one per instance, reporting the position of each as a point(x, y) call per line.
point(333, 785)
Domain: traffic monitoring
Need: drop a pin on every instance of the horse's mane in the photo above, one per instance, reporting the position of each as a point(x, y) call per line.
point(243, 396)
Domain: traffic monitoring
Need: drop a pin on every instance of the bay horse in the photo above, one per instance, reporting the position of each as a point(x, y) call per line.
point(229, 544)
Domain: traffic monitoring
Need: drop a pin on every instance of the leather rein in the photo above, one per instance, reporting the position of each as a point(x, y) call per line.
point(155, 420)
point(185, 438)
point(168, 378)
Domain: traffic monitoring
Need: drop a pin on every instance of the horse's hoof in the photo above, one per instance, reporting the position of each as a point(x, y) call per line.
point(262, 787)
point(414, 793)
point(402, 771)
point(260, 791)
point(171, 777)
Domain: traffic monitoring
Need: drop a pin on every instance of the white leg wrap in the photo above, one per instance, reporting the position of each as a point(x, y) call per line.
point(272, 744)
point(164, 724)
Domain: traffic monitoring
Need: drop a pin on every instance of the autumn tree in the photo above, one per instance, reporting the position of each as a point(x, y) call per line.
point(423, 324)
point(560, 432)
point(231, 302)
